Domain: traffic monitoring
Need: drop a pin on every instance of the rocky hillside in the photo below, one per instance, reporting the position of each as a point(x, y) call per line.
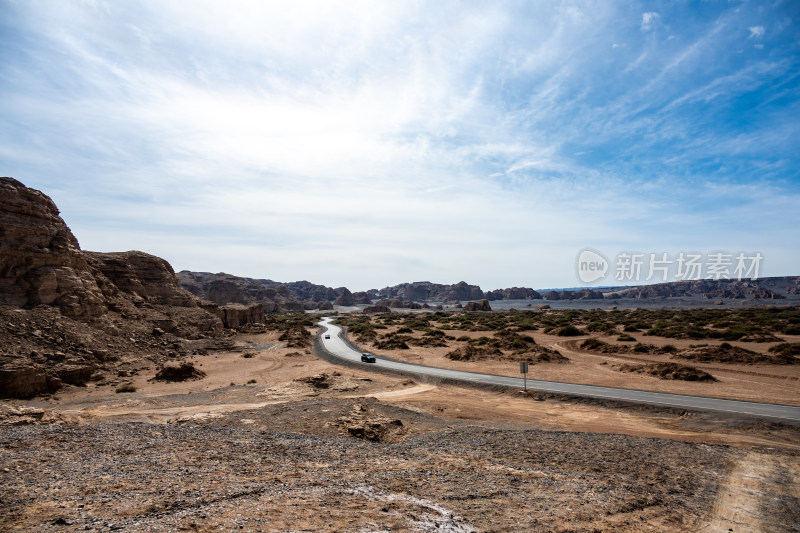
point(425, 291)
point(222, 288)
point(275, 296)
point(69, 316)
point(766, 288)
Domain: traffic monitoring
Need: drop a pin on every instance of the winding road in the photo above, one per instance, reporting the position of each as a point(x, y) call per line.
point(338, 347)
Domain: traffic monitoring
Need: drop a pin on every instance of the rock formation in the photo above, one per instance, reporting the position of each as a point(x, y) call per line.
point(362, 297)
point(583, 294)
point(305, 290)
point(482, 305)
point(70, 316)
point(707, 288)
point(513, 293)
point(225, 288)
point(345, 297)
point(235, 315)
point(425, 291)
point(40, 260)
point(396, 303)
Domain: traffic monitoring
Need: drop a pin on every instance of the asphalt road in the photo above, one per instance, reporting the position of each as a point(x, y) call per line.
point(788, 413)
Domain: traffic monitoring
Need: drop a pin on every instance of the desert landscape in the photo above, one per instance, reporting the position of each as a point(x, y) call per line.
point(130, 403)
point(382, 266)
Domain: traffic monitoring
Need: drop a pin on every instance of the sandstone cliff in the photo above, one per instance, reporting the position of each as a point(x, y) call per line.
point(70, 316)
point(40, 260)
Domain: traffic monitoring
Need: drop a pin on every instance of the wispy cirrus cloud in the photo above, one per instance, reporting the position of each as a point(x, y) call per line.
point(400, 139)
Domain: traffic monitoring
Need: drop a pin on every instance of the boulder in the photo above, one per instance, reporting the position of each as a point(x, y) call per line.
point(23, 380)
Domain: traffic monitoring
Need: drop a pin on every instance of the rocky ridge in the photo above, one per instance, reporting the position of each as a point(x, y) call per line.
point(70, 316)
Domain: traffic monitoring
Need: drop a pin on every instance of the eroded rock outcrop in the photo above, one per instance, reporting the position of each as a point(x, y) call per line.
point(40, 259)
point(345, 297)
point(583, 294)
point(235, 315)
point(482, 305)
point(70, 316)
point(513, 293)
point(706, 288)
point(222, 289)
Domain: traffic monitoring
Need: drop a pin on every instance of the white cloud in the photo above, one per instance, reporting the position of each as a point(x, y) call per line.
point(756, 32)
point(361, 143)
point(650, 20)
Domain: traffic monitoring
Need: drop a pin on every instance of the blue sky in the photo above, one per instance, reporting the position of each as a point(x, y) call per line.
point(372, 143)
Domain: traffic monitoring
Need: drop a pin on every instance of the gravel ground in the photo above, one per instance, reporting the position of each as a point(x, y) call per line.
point(147, 477)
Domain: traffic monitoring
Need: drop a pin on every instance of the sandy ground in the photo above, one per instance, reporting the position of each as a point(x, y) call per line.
point(762, 476)
point(759, 383)
point(226, 389)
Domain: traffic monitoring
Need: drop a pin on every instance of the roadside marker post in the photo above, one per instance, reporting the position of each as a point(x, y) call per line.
point(523, 368)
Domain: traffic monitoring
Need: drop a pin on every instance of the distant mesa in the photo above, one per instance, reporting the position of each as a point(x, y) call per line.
point(513, 293)
point(582, 294)
point(711, 289)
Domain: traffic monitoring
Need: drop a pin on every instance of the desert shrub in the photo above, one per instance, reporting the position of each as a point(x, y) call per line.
point(296, 336)
point(625, 338)
point(126, 387)
point(593, 344)
point(630, 328)
point(405, 329)
point(569, 331)
point(182, 372)
point(282, 321)
point(248, 355)
point(251, 381)
point(669, 371)
point(393, 341)
point(786, 348)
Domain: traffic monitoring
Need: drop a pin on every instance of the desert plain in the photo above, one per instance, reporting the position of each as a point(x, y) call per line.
point(268, 436)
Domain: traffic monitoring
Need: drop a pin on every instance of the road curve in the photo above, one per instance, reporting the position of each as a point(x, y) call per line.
point(337, 346)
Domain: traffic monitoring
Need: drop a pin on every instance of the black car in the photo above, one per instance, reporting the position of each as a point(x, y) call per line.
point(367, 358)
point(327, 336)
